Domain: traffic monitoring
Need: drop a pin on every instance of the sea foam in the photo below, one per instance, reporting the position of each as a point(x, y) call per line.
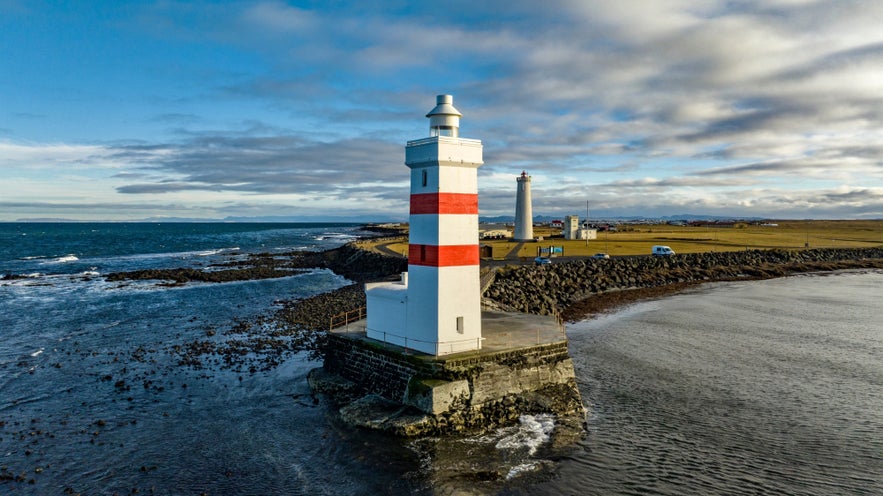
point(217, 251)
point(531, 433)
point(64, 259)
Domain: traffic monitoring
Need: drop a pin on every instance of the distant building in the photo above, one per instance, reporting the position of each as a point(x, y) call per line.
point(496, 234)
point(556, 224)
point(572, 229)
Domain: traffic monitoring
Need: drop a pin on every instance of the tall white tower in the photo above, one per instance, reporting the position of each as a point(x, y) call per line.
point(441, 296)
point(523, 210)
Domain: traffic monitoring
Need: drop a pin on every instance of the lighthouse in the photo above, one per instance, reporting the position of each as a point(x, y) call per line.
point(523, 209)
point(436, 307)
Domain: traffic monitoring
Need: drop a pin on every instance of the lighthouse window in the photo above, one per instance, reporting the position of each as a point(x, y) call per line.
point(443, 131)
point(460, 325)
point(424, 178)
point(422, 253)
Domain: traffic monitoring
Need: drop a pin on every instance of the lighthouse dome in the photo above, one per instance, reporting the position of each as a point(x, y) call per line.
point(444, 119)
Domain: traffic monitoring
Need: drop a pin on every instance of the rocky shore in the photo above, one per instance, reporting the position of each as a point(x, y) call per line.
point(351, 261)
point(581, 288)
point(300, 325)
point(574, 290)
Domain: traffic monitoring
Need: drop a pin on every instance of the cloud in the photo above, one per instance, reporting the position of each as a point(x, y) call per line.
point(37, 156)
point(278, 165)
point(758, 106)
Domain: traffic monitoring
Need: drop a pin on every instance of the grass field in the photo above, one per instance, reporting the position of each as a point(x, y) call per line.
point(638, 239)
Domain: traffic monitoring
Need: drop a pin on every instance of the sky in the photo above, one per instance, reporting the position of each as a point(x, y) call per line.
point(127, 110)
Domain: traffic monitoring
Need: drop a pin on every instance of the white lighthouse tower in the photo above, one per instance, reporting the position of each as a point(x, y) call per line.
point(436, 308)
point(523, 210)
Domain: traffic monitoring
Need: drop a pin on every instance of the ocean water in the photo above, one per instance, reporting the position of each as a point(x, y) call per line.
point(769, 387)
point(766, 387)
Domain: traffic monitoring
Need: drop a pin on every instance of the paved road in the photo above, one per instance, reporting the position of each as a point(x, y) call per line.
point(513, 253)
point(386, 250)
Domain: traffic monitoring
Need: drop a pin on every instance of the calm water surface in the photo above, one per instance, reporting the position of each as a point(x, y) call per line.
point(771, 387)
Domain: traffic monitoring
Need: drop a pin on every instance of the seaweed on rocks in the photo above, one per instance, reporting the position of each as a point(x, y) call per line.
point(254, 267)
point(264, 342)
point(185, 275)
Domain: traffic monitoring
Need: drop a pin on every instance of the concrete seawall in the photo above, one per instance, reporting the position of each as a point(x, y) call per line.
point(387, 388)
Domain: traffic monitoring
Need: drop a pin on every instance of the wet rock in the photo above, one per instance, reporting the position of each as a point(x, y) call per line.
point(564, 288)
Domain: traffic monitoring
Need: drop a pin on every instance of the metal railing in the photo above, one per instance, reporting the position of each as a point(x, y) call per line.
point(448, 346)
point(346, 318)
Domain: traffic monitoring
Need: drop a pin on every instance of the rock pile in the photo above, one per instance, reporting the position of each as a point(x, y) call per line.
point(551, 289)
point(360, 265)
point(349, 260)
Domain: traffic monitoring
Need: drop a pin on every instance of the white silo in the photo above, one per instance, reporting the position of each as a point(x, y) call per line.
point(523, 210)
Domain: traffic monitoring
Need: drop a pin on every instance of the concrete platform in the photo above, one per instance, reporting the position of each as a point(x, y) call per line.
point(501, 331)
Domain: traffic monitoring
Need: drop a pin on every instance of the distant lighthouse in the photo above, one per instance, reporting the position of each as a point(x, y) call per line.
point(523, 210)
point(436, 308)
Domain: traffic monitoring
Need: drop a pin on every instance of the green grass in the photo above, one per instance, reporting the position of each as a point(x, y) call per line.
point(638, 239)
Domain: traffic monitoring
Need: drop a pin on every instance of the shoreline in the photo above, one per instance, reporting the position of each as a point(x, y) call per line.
point(612, 301)
point(574, 290)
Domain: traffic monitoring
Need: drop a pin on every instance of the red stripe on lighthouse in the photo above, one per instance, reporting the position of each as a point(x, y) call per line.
point(443, 256)
point(444, 203)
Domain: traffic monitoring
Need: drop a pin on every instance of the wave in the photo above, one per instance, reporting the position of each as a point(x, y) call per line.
point(533, 431)
point(217, 251)
point(64, 259)
point(334, 236)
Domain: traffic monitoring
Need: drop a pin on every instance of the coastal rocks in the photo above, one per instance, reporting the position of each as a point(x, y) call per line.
point(360, 265)
point(371, 411)
point(315, 312)
point(349, 260)
point(184, 275)
point(323, 382)
point(264, 342)
point(558, 288)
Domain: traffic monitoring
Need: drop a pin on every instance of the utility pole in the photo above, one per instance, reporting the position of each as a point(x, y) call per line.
point(586, 231)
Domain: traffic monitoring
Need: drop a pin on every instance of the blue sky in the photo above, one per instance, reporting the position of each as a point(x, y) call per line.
point(131, 110)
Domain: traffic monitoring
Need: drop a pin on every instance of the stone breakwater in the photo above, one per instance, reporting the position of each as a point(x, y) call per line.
point(560, 288)
point(572, 289)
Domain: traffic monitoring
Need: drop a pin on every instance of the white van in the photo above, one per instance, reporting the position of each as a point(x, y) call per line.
point(662, 251)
